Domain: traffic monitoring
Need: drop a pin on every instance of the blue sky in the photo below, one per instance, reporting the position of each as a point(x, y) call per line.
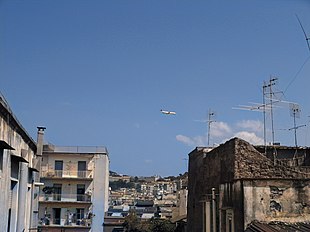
point(98, 73)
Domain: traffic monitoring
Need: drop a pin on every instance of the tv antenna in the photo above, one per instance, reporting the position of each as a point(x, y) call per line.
point(295, 113)
point(305, 34)
point(211, 115)
point(269, 103)
point(267, 90)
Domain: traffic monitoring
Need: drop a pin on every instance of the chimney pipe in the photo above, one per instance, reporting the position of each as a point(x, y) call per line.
point(40, 140)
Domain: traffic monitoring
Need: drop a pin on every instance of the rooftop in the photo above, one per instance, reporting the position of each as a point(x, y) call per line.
point(75, 149)
point(278, 226)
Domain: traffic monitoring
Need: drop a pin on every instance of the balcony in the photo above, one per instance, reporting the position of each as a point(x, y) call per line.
point(53, 197)
point(66, 174)
point(67, 222)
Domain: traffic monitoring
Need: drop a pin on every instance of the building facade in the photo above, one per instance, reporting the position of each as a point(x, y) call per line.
point(75, 192)
point(18, 174)
point(237, 184)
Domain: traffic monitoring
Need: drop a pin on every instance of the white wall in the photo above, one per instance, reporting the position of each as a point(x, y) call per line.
point(100, 191)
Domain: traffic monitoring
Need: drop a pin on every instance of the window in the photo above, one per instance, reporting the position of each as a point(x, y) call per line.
point(57, 192)
point(80, 192)
point(81, 168)
point(56, 215)
point(58, 168)
point(79, 216)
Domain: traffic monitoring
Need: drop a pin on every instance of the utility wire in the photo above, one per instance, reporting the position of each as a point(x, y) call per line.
point(296, 75)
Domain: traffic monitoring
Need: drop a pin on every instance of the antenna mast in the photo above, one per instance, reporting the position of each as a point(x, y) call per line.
point(272, 81)
point(210, 115)
point(264, 115)
point(295, 112)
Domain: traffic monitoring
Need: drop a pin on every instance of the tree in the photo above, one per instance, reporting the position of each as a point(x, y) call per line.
point(161, 225)
point(133, 224)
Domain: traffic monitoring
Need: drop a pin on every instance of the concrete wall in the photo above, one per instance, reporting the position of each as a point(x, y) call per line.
point(16, 195)
point(100, 191)
point(70, 161)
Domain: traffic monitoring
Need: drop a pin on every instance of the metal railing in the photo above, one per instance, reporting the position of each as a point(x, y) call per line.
point(68, 174)
point(65, 197)
point(81, 149)
point(83, 222)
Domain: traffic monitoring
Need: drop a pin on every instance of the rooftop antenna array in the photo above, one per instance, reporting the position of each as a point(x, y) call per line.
point(270, 98)
point(305, 34)
point(295, 113)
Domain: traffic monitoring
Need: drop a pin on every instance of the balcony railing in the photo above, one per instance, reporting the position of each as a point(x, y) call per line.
point(83, 222)
point(66, 174)
point(65, 197)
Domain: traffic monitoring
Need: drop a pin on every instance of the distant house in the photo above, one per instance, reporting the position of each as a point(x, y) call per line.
point(237, 184)
point(123, 178)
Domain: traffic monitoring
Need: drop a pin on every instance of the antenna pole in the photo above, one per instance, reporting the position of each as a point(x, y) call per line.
point(264, 115)
point(294, 116)
point(271, 83)
point(209, 125)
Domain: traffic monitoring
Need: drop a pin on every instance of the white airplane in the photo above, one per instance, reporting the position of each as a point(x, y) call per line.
point(168, 112)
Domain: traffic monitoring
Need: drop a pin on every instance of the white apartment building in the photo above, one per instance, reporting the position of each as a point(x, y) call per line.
point(75, 192)
point(19, 167)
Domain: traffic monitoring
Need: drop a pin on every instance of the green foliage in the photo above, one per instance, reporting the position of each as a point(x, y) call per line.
point(161, 225)
point(121, 184)
point(134, 224)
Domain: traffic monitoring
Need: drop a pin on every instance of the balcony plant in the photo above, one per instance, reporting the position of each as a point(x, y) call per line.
point(48, 191)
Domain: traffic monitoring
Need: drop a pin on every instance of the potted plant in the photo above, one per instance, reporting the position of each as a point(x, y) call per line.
point(48, 191)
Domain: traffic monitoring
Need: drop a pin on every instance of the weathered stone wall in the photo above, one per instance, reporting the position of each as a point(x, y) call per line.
point(276, 200)
point(230, 168)
point(251, 164)
point(195, 191)
point(207, 170)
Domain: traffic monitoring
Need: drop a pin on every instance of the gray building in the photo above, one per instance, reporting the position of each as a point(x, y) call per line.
point(19, 167)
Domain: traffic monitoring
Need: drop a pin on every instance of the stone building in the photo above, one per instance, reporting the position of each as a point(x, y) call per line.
point(19, 167)
point(248, 184)
point(75, 192)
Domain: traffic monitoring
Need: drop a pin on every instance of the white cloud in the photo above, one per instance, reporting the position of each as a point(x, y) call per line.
point(250, 137)
point(196, 141)
point(221, 132)
point(252, 125)
point(220, 129)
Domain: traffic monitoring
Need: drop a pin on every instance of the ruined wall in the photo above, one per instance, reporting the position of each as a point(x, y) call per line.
point(246, 182)
point(276, 200)
point(251, 164)
point(207, 171)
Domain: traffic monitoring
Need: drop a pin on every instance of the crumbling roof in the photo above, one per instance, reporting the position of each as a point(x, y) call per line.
point(278, 227)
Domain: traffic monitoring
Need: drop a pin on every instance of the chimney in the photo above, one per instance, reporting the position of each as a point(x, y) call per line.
point(40, 140)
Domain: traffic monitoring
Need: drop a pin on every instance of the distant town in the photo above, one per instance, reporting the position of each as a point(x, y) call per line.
point(233, 187)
